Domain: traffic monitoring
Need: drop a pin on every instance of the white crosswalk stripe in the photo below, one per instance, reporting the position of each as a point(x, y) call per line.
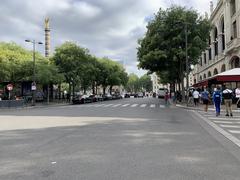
point(152, 105)
point(234, 132)
point(224, 122)
point(161, 106)
point(99, 105)
point(143, 105)
point(224, 118)
point(229, 126)
point(108, 105)
point(117, 105)
point(134, 105)
point(125, 105)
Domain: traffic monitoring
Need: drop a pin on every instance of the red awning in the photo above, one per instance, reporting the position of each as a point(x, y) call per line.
point(232, 75)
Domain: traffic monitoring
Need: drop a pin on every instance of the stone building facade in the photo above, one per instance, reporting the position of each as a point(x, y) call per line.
point(223, 51)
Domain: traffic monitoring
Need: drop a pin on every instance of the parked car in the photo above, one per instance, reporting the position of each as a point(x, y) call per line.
point(99, 97)
point(127, 95)
point(140, 95)
point(116, 96)
point(39, 97)
point(93, 97)
point(82, 99)
point(107, 97)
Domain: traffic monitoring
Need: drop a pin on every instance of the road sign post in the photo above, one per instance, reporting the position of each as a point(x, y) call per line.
point(9, 88)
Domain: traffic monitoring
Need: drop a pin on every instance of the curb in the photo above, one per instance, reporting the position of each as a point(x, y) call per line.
point(199, 109)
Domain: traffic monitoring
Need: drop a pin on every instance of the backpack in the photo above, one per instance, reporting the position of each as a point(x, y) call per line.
point(217, 96)
point(204, 95)
point(227, 94)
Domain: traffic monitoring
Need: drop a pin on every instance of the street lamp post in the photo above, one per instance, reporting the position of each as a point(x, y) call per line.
point(33, 86)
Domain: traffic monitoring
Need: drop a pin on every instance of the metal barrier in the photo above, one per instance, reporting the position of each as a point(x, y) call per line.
point(11, 103)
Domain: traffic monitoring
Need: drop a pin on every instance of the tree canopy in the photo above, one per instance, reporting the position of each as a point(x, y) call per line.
point(162, 49)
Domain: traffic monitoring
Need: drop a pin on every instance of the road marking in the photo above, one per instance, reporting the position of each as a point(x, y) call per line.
point(229, 126)
point(220, 130)
point(234, 132)
point(116, 105)
point(108, 105)
point(152, 105)
point(143, 105)
point(161, 106)
point(224, 118)
point(125, 105)
point(99, 105)
point(213, 115)
point(134, 105)
point(223, 122)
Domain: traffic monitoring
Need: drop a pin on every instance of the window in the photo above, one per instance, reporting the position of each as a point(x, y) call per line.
point(233, 7)
point(200, 61)
point(234, 30)
point(205, 58)
point(210, 49)
point(223, 35)
point(216, 41)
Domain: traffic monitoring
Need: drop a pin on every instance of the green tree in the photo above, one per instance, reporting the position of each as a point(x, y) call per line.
point(162, 50)
point(146, 83)
point(133, 84)
point(71, 61)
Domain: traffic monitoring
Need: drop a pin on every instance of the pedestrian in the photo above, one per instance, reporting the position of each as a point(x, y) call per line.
point(227, 95)
point(190, 97)
point(237, 93)
point(196, 97)
point(166, 98)
point(205, 99)
point(217, 99)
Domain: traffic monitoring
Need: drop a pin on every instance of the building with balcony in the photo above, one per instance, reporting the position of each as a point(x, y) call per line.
point(223, 51)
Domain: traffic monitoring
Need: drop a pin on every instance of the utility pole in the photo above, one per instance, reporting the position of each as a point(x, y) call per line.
point(33, 86)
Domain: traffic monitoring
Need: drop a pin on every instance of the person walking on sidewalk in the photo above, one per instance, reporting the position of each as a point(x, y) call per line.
point(237, 93)
point(227, 96)
point(166, 98)
point(196, 97)
point(217, 99)
point(205, 99)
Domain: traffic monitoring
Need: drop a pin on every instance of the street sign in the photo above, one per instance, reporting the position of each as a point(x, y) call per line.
point(34, 86)
point(10, 87)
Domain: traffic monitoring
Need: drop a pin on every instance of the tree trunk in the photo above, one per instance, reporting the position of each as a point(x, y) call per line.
point(93, 88)
point(111, 90)
point(104, 90)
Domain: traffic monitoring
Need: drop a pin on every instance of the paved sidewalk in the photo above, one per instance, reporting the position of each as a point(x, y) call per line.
point(37, 105)
point(200, 107)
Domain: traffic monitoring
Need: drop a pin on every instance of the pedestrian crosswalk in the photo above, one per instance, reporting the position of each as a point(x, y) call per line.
point(123, 105)
point(229, 124)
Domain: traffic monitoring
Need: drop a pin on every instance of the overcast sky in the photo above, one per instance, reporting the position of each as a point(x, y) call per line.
point(106, 27)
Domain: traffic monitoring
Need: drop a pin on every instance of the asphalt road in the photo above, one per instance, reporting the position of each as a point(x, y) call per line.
point(129, 139)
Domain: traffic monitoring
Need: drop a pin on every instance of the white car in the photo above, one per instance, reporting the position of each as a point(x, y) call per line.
point(162, 92)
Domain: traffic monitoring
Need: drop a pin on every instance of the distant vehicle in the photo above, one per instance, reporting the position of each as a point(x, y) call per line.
point(93, 97)
point(140, 95)
point(82, 99)
point(107, 97)
point(39, 96)
point(161, 92)
point(127, 95)
point(116, 96)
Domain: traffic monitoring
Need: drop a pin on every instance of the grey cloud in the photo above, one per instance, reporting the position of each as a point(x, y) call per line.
point(106, 27)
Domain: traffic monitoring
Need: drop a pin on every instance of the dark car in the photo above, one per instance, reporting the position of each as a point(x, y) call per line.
point(82, 99)
point(107, 97)
point(127, 96)
point(93, 97)
point(116, 96)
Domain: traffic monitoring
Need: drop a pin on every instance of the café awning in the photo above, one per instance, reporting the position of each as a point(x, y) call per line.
point(232, 75)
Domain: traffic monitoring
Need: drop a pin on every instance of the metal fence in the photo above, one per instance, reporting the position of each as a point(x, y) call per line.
point(11, 103)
